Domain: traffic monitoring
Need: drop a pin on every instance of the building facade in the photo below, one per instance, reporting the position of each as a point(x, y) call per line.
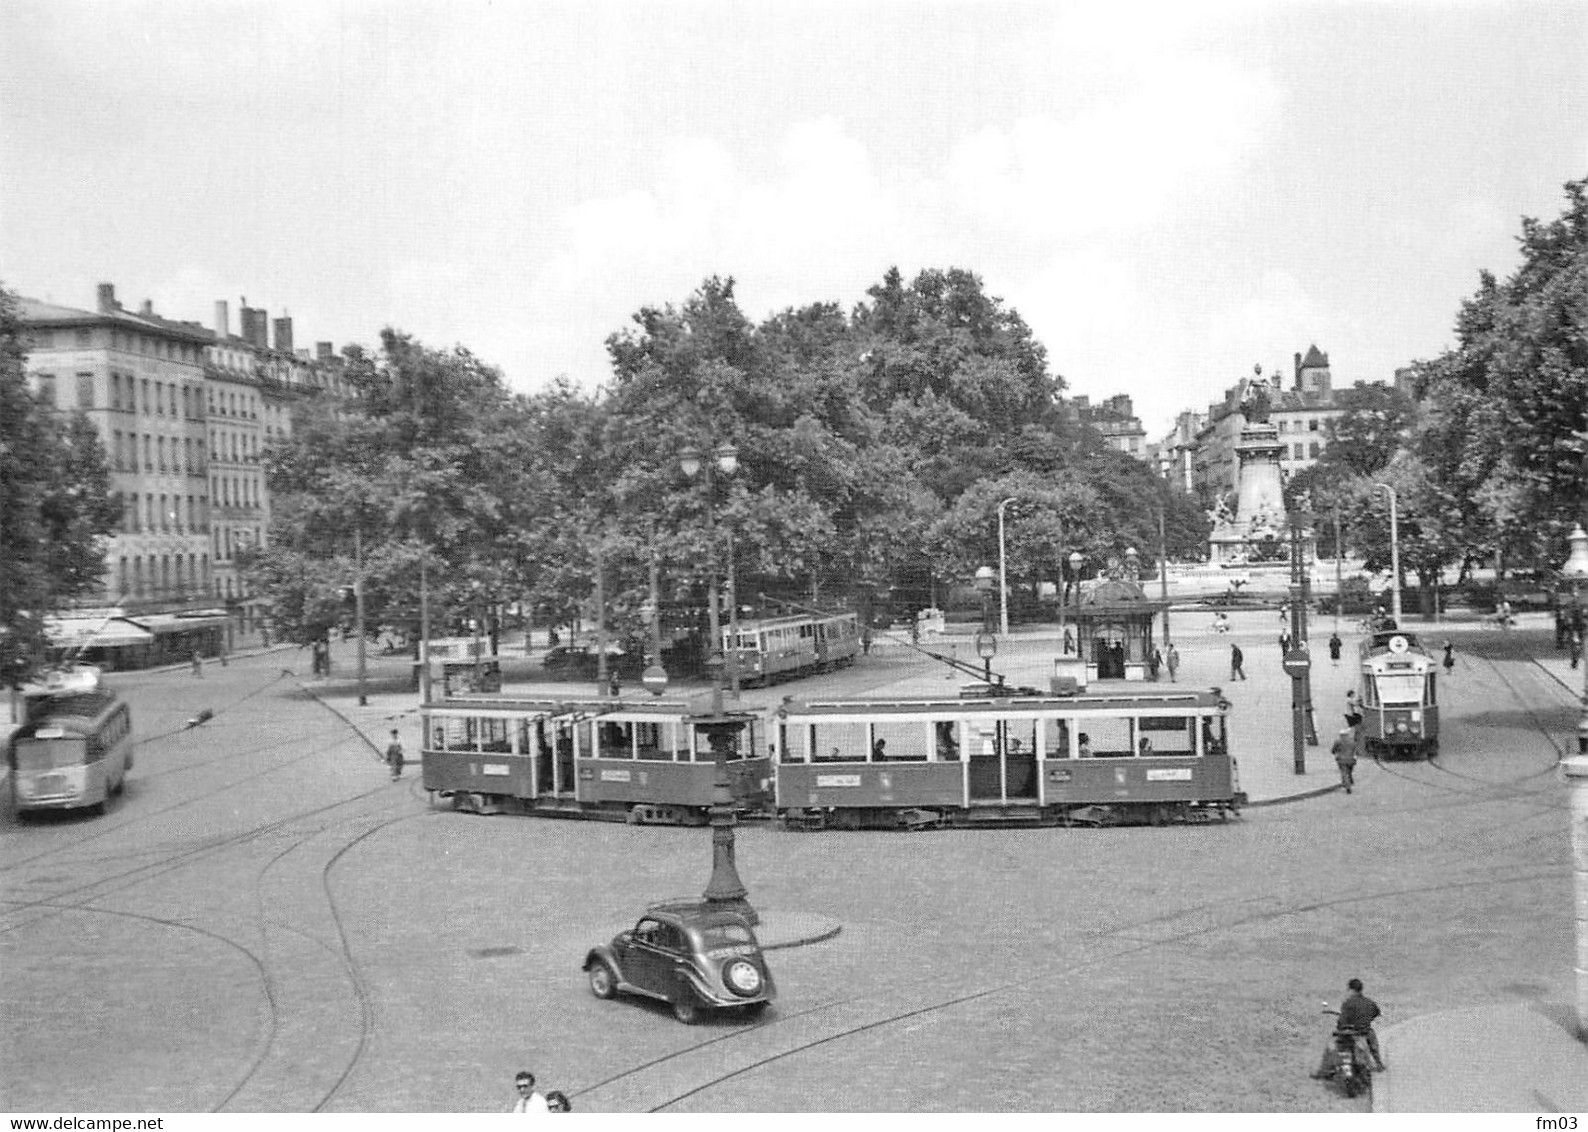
point(185, 414)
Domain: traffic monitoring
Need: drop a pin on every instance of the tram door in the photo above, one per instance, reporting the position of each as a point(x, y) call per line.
point(536, 743)
point(1003, 762)
point(563, 743)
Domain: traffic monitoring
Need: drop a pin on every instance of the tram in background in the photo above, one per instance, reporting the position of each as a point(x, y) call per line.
point(75, 747)
point(781, 648)
point(635, 760)
point(1112, 756)
point(1399, 695)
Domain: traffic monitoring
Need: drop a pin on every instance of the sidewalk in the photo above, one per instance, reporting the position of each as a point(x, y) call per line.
point(1484, 1059)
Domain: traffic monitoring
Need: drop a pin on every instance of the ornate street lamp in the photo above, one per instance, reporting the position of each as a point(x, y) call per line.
point(986, 640)
point(725, 890)
point(1576, 570)
point(1003, 573)
point(1075, 561)
point(1395, 553)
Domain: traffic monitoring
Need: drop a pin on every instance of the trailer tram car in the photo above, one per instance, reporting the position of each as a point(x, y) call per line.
point(641, 761)
point(782, 648)
point(1399, 696)
point(1107, 757)
point(75, 748)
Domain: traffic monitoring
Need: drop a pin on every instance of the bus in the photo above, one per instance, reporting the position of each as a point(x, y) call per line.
point(75, 748)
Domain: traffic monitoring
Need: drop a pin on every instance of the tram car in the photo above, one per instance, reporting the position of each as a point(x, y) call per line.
point(1399, 696)
point(1114, 756)
point(645, 761)
point(782, 648)
point(75, 747)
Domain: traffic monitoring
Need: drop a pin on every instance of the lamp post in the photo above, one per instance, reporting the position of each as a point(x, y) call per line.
point(1003, 572)
point(986, 640)
point(725, 890)
point(358, 610)
point(725, 460)
point(1075, 561)
point(1395, 553)
point(1576, 570)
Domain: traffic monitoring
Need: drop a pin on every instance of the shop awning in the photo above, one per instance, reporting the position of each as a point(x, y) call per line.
point(95, 632)
point(182, 622)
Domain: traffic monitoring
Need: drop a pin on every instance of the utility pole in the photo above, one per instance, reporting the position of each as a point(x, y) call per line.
point(424, 628)
point(1163, 579)
point(358, 608)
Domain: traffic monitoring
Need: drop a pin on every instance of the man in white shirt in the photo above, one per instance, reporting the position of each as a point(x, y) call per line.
point(528, 1099)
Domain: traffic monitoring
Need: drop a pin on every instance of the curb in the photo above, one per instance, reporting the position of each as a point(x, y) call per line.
point(1318, 793)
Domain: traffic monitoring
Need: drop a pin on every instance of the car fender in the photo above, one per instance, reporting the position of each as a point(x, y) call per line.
point(604, 954)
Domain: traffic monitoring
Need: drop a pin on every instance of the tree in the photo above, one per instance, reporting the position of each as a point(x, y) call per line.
point(55, 506)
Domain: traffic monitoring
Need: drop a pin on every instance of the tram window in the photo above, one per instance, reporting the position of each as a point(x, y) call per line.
point(493, 735)
point(1400, 687)
point(614, 741)
point(901, 742)
point(1111, 737)
point(649, 742)
point(945, 738)
point(1213, 737)
point(1056, 738)
point(840, 742)
point(453, 734)
point(1020, 736)
point(1432, 696)
point(1168, 734)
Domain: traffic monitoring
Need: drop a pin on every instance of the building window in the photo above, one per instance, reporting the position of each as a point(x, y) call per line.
point(145, 396)
point(47, 389)
point(1314, 449)
point(85, 337)
point(85, 391)
point(1312, 426)
point(1300, 452)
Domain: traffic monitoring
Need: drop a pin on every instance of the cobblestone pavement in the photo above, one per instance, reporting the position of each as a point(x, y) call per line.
point(265, 922)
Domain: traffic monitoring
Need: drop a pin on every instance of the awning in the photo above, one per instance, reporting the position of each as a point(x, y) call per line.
point(95, 632)
point(180, 623)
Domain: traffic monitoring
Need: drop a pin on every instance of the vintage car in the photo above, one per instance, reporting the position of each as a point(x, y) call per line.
point(695, 957)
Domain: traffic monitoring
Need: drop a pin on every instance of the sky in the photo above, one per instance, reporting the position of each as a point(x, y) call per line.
point(1167, 194)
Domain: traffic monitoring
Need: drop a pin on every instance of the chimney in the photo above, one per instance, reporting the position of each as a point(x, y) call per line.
point(284, 335)
point(324, 351)
point(255, 326)
point(107, 298)
point(147, 308)
point(1298, 366)
point(223, 320)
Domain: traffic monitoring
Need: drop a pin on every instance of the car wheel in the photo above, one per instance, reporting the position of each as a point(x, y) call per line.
point(686, 1007)
point(603, 982)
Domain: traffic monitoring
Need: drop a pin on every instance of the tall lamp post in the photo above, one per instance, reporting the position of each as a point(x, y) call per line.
point(1576, 571)
point(1395, 553)
point(725, 890)
point(1003, 572)
point(1075, 561)
point(986, 640)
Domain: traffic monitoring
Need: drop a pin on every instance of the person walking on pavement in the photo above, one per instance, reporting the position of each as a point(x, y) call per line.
point(1353, 710)
point(528, 1101)
point(198, 664)
point(1284, 642)
point(1173, 661)
point(1154, 663)
point(394, 756)
point(1344, 751)
point(1576, 647)
point(1334, 649)
point(1449, 663)
point(1237, 660)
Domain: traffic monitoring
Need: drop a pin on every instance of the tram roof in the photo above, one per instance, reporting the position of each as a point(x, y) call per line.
point(1107, 700)
point(561, 706)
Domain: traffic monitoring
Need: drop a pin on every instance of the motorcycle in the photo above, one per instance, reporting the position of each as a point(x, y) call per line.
point(1352, 1060)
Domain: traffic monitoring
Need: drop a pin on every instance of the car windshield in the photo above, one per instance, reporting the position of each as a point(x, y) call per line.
point(721, 935)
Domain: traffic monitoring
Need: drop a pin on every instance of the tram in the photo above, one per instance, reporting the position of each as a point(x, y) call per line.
point(644, 761)
point(75, 747)
point(1399, 696)
point(1114, 756)
point(781, 648)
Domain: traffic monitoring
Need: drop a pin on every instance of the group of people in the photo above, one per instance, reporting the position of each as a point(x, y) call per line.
point(530, 1101)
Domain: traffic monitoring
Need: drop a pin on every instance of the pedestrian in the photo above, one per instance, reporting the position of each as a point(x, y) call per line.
point(1284, 643)
point(865, 640)
point(198, 664)
point(879, 750)
point(614, 685)
point(1069, 642)
point(1237, 660)
point(1334, 649)
point(1173, 661)
point(1154, 663)
point(528, 1101)
point(394, 756)
point(558, 1102)
point(1344, 751)
point(1353, 709)
point(1449, 662)
point(1576, 647)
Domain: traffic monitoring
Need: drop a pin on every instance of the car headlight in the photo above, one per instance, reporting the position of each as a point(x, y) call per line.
point(742, 977)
